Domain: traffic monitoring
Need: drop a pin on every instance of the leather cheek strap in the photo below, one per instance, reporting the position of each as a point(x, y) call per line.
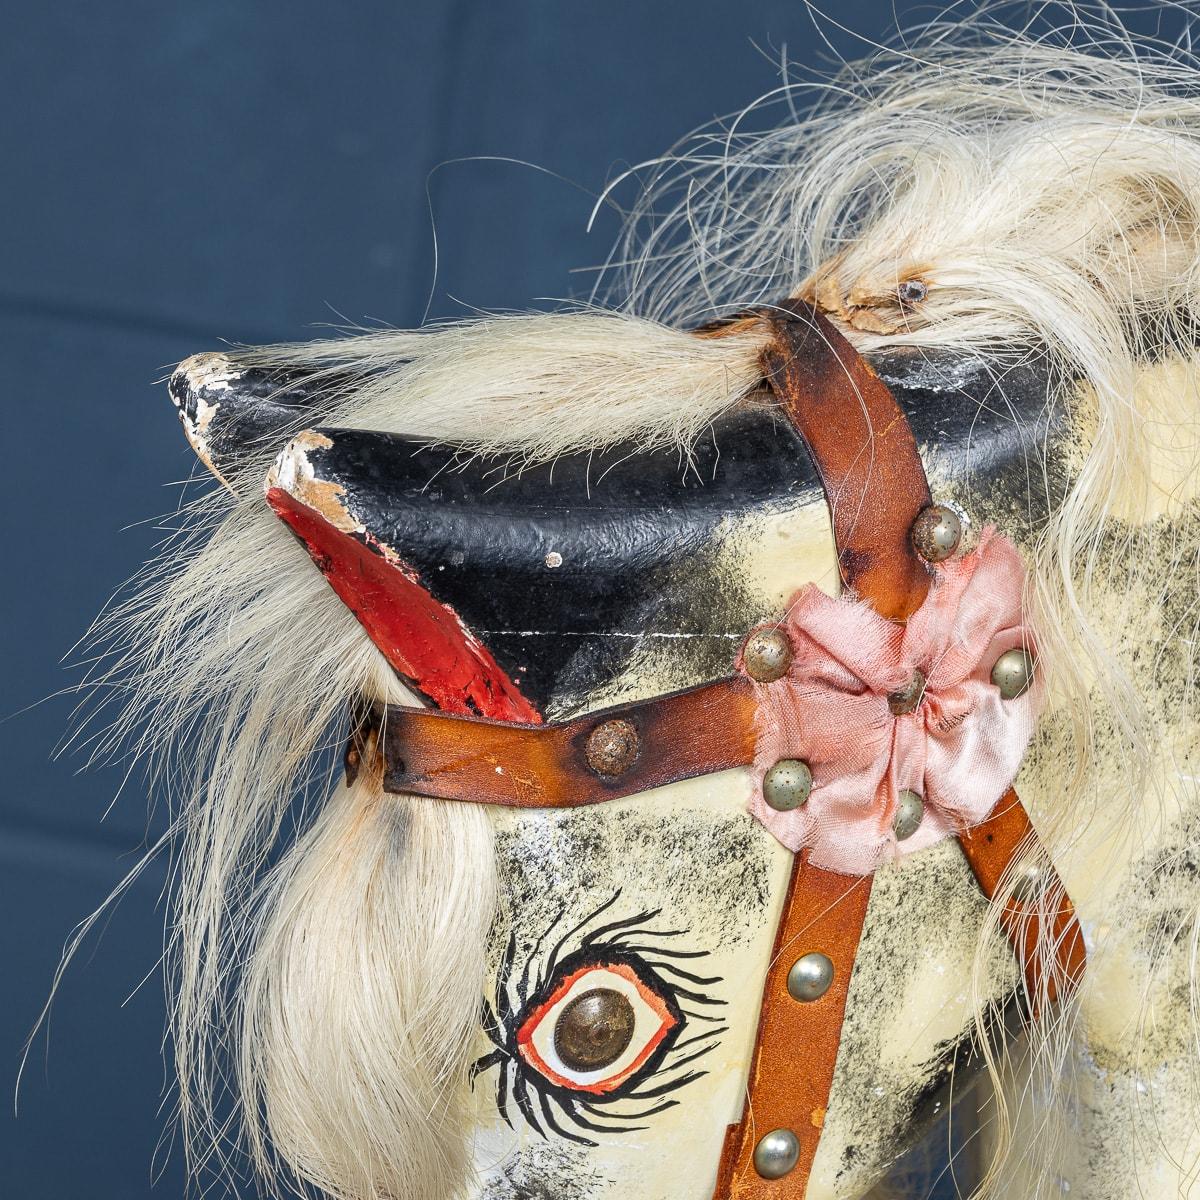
point(864, 452)
point(796, 1049)
point(875, 486)
point(1039, 917)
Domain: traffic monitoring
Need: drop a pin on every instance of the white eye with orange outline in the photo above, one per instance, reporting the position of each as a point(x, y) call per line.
point(597, 1028)
point(592, 1041)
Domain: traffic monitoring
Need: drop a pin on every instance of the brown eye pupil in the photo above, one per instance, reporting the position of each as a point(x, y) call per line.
point(912, 291)
point(595, 1029)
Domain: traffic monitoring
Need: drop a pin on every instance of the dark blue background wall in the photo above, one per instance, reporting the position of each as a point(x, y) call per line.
point(179, 173)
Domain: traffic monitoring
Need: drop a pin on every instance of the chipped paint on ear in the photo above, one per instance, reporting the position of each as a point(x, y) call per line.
point(424, 640)
point(191, 388)
point(293, 473)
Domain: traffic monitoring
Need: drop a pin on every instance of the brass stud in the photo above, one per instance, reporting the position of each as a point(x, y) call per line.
point(767, 655)
point(1030, 884)
point(1013, 673)
point(787, 784)
point(908, 697)
point(776, 1154)
point(810, 976)
point(595, 1029)
point(613, 747)
point(937, 532)
point(910, 808)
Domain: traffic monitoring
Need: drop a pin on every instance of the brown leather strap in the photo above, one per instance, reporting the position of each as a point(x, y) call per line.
point(990, 847)
point(603, 756)
point(797, 1044)
point(680, 736)
point(873, 477)
point(864, 451)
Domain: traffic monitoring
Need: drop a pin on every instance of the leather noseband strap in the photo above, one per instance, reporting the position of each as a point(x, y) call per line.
point(875, 486)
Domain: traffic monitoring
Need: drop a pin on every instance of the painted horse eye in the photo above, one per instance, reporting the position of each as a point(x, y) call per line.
point(597, 1041)
point(596, 1029)
point(912, 291)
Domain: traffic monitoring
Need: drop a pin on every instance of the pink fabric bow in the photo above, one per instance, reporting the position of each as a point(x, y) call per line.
point(959, 750)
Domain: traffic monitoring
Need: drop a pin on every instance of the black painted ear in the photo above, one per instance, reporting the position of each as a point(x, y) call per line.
point(510, 593)
point(236, 416)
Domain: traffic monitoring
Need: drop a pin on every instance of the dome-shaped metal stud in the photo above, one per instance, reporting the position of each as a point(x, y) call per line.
point(776, 1154)
point(1030, 884)
point(787, 784)
point(1013, 673)
point(810, 976)
point(910, 808)
point(767, 655)
point(613, 747)
point(908, 697)
point(594, 1029)
point(937, 532)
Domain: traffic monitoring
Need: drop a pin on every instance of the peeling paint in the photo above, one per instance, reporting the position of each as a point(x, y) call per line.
point(212, 372)
point(202, 375)
point(293, 473)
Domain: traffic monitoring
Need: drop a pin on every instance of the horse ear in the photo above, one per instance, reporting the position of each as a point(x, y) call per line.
point(237, 417)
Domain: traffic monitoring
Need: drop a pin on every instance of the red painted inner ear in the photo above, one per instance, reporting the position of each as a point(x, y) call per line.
point(423, 639)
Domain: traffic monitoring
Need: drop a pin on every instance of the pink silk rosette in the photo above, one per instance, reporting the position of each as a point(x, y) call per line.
point(961, 747)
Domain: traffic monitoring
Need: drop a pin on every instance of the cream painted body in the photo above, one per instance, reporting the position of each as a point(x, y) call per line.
point(1132, 869)
point(911, 989)
point(669, 848)
point(1129, 859)
point(920, 977)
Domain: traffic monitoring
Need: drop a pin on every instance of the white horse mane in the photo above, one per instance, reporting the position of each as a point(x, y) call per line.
point(1047, 199)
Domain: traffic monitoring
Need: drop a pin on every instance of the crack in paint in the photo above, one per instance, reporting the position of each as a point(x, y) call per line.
point(733, 637)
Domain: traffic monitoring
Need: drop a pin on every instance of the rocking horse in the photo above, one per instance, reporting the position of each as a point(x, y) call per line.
point(679, 748)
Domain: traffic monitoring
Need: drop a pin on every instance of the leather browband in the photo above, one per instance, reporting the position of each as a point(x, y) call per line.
point(875, 486)
point(680, 736)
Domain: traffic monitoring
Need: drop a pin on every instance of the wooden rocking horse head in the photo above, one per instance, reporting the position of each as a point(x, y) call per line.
point(603, 730)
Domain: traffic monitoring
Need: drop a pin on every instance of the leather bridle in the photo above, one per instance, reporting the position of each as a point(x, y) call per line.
point(875, 486)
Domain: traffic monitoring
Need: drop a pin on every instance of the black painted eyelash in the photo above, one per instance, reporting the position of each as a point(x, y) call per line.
point(604, 945)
